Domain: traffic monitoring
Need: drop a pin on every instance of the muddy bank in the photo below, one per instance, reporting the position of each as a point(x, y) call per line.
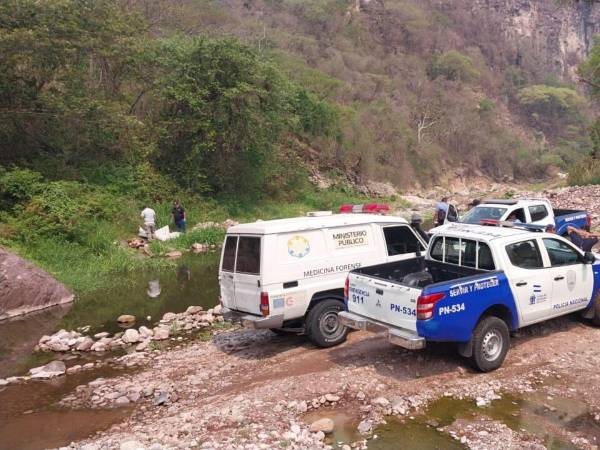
point(25, 288)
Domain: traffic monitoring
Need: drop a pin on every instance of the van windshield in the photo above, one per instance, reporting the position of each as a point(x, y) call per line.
point(479, 213)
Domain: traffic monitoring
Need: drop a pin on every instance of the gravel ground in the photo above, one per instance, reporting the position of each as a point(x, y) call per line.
point(246, 389)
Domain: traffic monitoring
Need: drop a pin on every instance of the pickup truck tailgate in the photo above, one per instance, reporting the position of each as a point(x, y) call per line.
point(386, 302)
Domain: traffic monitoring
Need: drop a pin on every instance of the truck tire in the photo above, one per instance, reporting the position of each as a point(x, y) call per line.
point(596, 318)
point(322, 324)
point(491, 341)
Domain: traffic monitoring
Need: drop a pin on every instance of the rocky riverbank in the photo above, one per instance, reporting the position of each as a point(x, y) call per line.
point(253, 390)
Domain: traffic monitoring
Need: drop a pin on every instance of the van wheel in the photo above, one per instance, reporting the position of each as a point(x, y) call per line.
point(323, 326)
point(491, 340)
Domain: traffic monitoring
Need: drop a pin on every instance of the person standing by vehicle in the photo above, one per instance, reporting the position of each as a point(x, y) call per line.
point(179, 216)
point(149, 216)
point(582, 239)
point(441, 210)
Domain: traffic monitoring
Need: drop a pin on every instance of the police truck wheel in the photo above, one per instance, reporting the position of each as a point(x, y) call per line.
point(490, 343)
point(323, 326)
point(596, 318)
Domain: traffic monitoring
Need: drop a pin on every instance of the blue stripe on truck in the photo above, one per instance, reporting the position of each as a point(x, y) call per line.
point(457, 314)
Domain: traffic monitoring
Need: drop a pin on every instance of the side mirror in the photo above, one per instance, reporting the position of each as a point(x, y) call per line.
point(589, 258)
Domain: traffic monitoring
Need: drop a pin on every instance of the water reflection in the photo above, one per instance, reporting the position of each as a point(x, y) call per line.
point(153, 288)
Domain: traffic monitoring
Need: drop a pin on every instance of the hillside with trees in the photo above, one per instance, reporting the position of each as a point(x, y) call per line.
point(108, 105)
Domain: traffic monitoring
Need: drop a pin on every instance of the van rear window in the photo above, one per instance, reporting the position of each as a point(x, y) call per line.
point(248, 255)
point(401, 240)
point(229, 253)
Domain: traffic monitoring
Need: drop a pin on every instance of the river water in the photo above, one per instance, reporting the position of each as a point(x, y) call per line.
point(193, 281)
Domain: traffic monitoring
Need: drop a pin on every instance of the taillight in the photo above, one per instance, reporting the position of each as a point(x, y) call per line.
point(264, 303)
point(426, 304)
point(346, 288)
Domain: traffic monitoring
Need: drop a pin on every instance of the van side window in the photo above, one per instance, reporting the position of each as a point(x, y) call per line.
point(401, 240)
point(248, 256)
point(538, 212)
point(525, 254)
point(229, 253)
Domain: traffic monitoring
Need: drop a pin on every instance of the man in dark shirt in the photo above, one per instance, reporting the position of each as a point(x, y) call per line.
point(178, 213)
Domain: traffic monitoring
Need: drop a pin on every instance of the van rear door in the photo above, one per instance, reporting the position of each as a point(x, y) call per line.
point(227, 271)
point(247, 274)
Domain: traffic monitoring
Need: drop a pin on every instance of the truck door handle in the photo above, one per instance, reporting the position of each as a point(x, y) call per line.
point(522, 283)
point(558, 278)
point(379, 291)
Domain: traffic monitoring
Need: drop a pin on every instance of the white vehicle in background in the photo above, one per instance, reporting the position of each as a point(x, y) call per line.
point(288, 275)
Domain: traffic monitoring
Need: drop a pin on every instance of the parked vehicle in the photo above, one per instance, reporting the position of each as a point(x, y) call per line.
point(288, 275)
point(474, 286)
point(538, 212)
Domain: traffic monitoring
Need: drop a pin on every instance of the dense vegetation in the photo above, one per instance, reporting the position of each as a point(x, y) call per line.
point(109, 105)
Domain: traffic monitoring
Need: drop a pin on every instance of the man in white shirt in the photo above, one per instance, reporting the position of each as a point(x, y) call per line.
point(149, 217)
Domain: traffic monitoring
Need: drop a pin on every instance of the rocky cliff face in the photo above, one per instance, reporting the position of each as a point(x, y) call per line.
point(559, 33)
point(25, 288)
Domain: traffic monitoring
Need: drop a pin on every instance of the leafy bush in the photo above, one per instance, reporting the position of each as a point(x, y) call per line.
point(454, 66)
point(18, 186)
point(585, 172)
point(550, 100)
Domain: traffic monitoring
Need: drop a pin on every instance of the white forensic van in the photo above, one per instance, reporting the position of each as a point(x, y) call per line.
point(288, 275)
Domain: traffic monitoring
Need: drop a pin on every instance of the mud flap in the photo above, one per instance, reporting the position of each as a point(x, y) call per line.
point(465, 348)
point(593, 310)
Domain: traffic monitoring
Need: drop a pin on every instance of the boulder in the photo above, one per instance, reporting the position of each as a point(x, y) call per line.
point(126, 318)
point(85, 345)
point(25, 288)
point(194, 309)
point(50, 370)
point(131, 336)
point(174, 254)
point(217, 310)
point(161, 334)
point(325, 425)
point(146, 332)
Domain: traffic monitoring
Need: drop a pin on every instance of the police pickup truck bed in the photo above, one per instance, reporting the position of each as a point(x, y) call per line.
point(475, 285)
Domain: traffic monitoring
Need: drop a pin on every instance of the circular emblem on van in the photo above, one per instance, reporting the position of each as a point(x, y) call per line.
point(298, 247)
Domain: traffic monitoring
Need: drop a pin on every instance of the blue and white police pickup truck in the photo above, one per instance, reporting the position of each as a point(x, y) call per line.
point(474, 286)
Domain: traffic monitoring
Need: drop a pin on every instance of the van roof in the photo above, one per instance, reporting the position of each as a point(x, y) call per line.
point(311, 223)
point(481, 232)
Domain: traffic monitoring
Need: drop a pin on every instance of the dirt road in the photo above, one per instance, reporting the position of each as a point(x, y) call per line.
point(245, 389)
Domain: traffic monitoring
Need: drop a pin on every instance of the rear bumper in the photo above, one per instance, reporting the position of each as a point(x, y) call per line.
point(396, 336)
point(251, 321)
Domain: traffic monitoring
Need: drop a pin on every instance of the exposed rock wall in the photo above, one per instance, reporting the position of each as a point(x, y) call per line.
point(558, 32)
point(25, 288)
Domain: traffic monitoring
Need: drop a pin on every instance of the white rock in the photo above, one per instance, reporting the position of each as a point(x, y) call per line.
point(169, 317)
point(194, 309)
point(332, 397)
point(98, 347)
point(131, 336)
point(161, 334)
point(50, 370)
point(302, 407)
point(142, 345)
point(101, 335)
point(217, 310)
point(126, 318)
point(365, 427)
point(320, 436)
point(85, 344)
point(325, 425)
point(3, 382)
point(381, 401)
point(146, 332)
point(131, 445)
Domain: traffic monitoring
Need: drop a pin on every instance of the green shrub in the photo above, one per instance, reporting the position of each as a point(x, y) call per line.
point(486, 105)
point(585, 172)
point(18, 186)
point(550, 100)
point(454, 66)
